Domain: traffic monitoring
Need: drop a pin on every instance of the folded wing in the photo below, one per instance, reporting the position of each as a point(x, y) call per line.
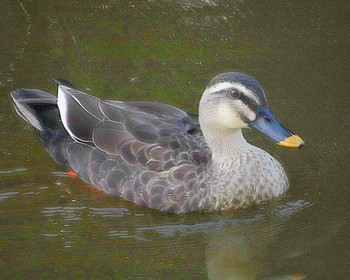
point(143, 134)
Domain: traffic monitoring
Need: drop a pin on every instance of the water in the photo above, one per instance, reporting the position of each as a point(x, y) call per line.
point(54, 227)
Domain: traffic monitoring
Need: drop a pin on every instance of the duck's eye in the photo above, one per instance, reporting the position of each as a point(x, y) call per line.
point(235, 93)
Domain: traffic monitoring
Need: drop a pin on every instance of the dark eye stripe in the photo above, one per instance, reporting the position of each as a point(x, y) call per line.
point(251, 103)
point(247, 100)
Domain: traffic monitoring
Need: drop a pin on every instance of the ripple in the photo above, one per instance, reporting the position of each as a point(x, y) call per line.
point(281, 211)
point(50, 234)
point(68, 213)
point(6, 195)
point(18, 170)
point(111, 212)
point(290, 208)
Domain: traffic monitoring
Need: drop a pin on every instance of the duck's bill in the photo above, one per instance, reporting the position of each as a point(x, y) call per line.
point(268, 125)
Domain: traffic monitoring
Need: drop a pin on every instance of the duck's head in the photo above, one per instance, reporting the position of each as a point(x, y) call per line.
point(233, 101)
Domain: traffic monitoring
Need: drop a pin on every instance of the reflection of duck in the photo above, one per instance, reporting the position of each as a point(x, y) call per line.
point(157, 155)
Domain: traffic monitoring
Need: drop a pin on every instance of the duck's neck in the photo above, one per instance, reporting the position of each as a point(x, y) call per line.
point(225, 144)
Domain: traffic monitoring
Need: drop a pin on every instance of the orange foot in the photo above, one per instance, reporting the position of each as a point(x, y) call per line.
point(72, 174)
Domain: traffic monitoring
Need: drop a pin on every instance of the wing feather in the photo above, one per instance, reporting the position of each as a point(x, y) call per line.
point(79, 113)
point(149, 136)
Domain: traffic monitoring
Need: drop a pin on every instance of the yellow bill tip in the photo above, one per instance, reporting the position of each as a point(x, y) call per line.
point(293, 141)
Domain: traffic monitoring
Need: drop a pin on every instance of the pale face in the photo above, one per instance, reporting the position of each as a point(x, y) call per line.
point(232, 104)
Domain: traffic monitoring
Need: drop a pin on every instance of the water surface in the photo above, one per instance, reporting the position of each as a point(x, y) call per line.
point(54, 227)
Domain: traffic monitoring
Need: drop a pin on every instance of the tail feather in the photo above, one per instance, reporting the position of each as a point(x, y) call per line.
point(37, 107)
point(40, 109)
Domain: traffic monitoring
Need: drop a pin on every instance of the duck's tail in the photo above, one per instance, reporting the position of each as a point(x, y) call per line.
point(40, 109)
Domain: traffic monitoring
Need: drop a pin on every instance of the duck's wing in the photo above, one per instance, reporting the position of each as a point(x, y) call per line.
point(157, 108)
point(131, 129)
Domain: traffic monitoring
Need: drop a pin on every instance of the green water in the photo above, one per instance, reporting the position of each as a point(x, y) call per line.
point(53, 227)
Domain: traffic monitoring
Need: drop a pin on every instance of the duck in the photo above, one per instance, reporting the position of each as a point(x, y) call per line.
point(159, 156)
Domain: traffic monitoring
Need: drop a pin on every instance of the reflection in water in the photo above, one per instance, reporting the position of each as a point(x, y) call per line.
point(253, 246)
point(250, 247)
point(262, 250)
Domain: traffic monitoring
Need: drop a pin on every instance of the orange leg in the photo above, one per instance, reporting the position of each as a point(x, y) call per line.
point(72, 174)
